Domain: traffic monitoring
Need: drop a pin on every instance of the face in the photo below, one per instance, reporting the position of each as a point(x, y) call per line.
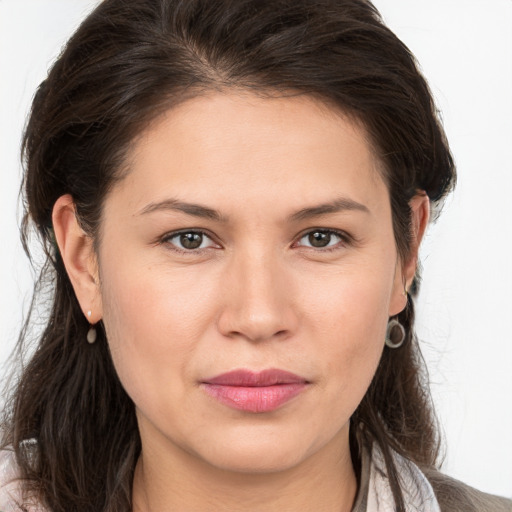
point(251, 236)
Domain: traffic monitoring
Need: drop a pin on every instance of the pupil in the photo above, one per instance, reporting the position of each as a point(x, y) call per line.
point(319, 239)
point(191, 240)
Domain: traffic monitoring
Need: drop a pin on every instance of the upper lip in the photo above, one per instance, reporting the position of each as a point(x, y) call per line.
point(249, 378)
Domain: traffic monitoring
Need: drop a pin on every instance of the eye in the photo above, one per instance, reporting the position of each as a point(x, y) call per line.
point(322, 238)
point(188, 241)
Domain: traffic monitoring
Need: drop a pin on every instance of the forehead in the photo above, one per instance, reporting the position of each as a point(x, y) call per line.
point(276, 149)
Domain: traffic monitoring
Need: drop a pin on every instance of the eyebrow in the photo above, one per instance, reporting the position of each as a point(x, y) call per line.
point(338, 205)
point(193, 209)
point(204, 212)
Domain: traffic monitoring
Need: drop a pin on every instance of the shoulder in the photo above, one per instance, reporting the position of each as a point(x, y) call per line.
point(425, 489)
point(11, 490)
point(455, 496)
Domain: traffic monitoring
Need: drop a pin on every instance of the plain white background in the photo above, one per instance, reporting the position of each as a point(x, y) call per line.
point(465, 307)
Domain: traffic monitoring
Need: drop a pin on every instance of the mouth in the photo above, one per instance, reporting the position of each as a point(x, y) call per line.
point(255, 392)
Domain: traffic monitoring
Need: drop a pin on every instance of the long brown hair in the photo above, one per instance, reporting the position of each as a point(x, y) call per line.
point(130, 61)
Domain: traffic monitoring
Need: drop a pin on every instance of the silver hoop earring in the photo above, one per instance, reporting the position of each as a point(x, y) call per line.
point(395, 334)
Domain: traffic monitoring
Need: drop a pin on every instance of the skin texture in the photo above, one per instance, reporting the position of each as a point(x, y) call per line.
point(256, 295)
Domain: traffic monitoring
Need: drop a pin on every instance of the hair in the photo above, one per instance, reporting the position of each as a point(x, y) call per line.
point(129, 62)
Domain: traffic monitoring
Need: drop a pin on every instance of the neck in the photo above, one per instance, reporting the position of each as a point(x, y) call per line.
point(325, 481)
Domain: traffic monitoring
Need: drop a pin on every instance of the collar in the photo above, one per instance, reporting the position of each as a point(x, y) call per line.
point(375, 493)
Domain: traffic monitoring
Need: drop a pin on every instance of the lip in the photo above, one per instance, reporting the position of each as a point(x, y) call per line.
point(256, 392)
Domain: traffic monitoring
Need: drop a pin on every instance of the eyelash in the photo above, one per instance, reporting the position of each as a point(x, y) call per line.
point(345, 240)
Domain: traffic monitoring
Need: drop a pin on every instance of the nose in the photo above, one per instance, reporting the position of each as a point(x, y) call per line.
point(257, 302)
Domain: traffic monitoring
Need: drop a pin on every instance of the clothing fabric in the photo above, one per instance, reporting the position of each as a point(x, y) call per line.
point(10, 494)
point(11, 497)
point(375, 493)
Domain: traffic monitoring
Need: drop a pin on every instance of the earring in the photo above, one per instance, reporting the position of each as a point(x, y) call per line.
point(395, 334)
point(91, 333)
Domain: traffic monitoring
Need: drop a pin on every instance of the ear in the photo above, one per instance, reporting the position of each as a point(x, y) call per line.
point(77, 252)
point(420, 213)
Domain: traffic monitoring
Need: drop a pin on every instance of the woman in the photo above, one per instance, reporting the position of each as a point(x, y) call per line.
point(231, 195)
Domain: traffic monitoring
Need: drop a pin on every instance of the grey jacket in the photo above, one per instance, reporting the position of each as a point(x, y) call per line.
point(451, 495)
point(454, 496)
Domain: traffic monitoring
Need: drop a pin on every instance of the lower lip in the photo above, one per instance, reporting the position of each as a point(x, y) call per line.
point(254, 399)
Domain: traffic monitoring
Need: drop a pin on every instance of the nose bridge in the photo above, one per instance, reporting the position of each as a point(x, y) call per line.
point(257, 305)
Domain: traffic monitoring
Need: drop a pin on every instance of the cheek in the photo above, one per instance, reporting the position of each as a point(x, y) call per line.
point(352, 303)
point(153, 304)
point(348, 317)
point(154, 321)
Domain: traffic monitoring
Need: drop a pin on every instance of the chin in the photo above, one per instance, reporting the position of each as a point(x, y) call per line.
point(256, 455)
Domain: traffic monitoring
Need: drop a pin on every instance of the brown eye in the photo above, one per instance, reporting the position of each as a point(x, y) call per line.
point(323, 239)
point(189, 241)
point(319, 238)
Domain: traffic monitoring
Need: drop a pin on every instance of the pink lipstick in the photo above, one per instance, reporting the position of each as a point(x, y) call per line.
point(250, 391)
